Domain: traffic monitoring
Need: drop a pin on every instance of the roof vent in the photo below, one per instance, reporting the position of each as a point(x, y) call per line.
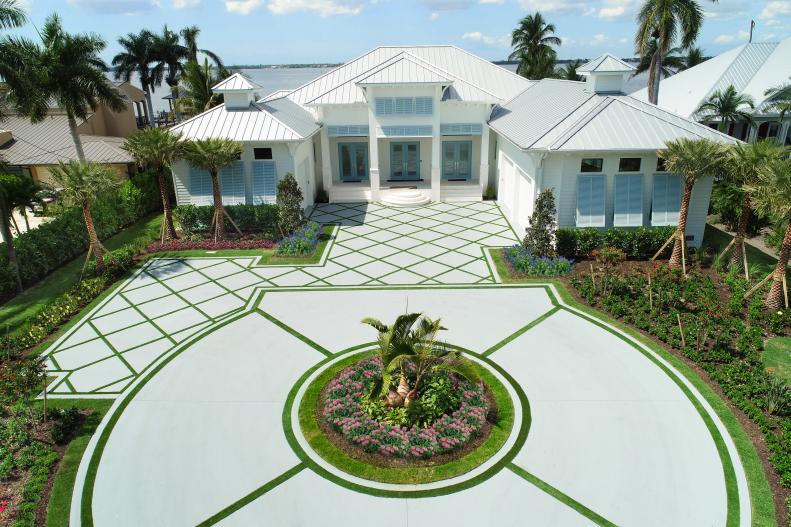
point(238, 91)
point(606, 74)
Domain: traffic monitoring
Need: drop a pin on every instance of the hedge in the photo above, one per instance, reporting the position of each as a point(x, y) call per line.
point(53, 244)
point(258, 219)
point(639, 243)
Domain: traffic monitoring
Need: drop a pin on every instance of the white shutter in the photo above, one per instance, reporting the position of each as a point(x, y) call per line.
point(232, 184)
point(264, 182)
point(200, 188)
point(666, 199)
point(628, 206)
point(590, 200)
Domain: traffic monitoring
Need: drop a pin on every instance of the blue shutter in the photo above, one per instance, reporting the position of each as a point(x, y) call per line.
point(404, 105)
point(666, 200)
point(232, 184)
point(200, 188)
point(264, 176)
point(628, 206)
point(461, 129)
point(590, 200)
point(407, 131)
point(383, 105)
point(350, 130)
point(424, 105)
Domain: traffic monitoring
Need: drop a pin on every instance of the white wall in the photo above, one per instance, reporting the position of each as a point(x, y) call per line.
point(517, 183)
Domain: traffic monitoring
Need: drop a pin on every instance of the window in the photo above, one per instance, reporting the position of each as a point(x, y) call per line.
point(264, 182)
point(232, 184)
point(628, 200)
point(666, 199)
point(383, 106)
point(404, 105)
point(660, 165)
point(590, 201)
point(262, 153)
point(353, 161)
point(768, 130)
point(592, 165)
point(200, 187)
point(629, 164)
point(424, 105)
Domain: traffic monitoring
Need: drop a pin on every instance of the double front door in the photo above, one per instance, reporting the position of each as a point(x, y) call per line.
point(457, 160)
point(404, 161)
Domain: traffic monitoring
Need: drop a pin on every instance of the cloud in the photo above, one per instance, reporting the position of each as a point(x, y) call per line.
point(323, 8)
point(599, 39)
point(567, 41)
point(242, 7)
point(727, 39)
point(117, 7)
point(777, 7)
point(491, 1)
point(613, 9)
point(558, 6)
point(477, 36)
point(433, 16)
point(446, 5)
point(186, 4)
point(727, 9)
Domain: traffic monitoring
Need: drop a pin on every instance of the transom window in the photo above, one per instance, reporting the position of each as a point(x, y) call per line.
point(629, 164)
point(262, 153)
point(404, 105)
point(592, 165)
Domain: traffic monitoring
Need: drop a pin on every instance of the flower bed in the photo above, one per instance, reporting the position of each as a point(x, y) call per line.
point(366, 425)
point(302, 243)
point(209, 245)
point(522, 262)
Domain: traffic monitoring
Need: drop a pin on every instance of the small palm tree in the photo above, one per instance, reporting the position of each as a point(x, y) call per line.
point(771, 194)
point(727, 107)
point(190, 37)
point(138, 57)
point(197, 82)
point(156, 149)
point(693, 159)
point(412, 339)
point(213, 155)
point(536, 67)
point(569, 71)
point(25, 197)
point(694, 57)
point(82, 184)
point(780, 97)
point(9, 185)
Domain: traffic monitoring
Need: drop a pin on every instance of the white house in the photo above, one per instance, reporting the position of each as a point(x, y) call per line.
point(405, 125)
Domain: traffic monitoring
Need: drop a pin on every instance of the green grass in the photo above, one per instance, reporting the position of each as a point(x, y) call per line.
point(19, 309)
point(408, 475)
point(757, 261)
point(777, 355)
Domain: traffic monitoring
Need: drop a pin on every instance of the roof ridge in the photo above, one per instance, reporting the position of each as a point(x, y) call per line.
point(583, 103)
point(711, 90)
point(566, 136)
point(513, 73)
point(184, 123)
point(404, 55)
point(287, 127)
point(456, 77)
point(378, 67)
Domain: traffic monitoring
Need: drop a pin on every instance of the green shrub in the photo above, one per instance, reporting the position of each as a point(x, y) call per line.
point(289, 206)
point(638, 243)
point(540, 237)
point(65, 420)
point(251, 219)
point(303, 242)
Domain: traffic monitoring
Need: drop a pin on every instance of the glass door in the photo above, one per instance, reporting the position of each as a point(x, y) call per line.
point(404, 161)
point(457, 160)
point(353, 160)
point(464, 160)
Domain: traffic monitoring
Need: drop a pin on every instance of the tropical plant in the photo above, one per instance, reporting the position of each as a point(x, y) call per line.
point(11, 14)
point(771, 194)
point(412, 340)
point(540, 237)
point(190, 37)
point(289, 205)
point(82, 184)
point(671, 63)
point(155, 149)
point(727, 107)
point(663, 22)
point(693, 159)
point(197, 82)
point(213, 155)
point(694, 57)
point(532, 42)
point(170, 56)
point(138, 58)
point(64, 68)
point(9, 183)
point(781, 98)
point(569, 71)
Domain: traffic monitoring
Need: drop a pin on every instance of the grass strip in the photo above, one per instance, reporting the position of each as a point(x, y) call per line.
point(521, 331)
point(291, 331)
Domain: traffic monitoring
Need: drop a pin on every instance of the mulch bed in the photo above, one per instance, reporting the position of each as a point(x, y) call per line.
point(208, 244)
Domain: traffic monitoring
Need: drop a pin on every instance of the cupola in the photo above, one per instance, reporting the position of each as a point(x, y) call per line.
point(238, 91)
point(606, 74)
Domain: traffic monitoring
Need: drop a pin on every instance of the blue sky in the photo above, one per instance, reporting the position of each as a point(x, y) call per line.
point(293, 31)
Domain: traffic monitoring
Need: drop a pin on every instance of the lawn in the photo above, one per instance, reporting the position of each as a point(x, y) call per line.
point(758, 261)
point(17, 310)
point(777, 355)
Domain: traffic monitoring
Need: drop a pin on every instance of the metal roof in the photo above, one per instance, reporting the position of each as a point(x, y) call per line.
point(405, 70)
point(49, 142)
point(566, 116)
point(474, 79)
point(606, 63)
point(236, 82)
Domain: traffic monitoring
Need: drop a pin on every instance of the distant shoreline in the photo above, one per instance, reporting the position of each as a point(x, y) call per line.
point(282, 66)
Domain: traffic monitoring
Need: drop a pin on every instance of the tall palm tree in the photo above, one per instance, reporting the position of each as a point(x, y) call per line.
point(190, 38)
point(694, 57)
point(771, 194)
point(742, 168)
point(664, 22)
point(64, 68)
point(170, 56)
point(213, 155)
point(155, 149)
point(692, 159)
point(138, 57)
point(82, 184)
point(197, 82)
point(11, 14)
point(536, 67)
point(9, 183)
point(532, 41)
point(671, 63)
point(569, 71)
point(727, 107)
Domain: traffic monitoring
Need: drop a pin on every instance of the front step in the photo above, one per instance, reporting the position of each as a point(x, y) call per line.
point(404, 197)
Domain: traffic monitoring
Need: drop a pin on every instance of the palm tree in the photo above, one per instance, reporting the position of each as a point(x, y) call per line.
point(664, 22)
point(138, 57)
point(671, 63)
point(413, 339)
point(536, 67)
point(781, 101)
point(82, 184)
point(771, 194)
point(532, 41)
point(9, 183)
point(170, 56)
point(693, 159)
point(727, 107)
point(213, 155)
point(197, 82)
point(156, 149)
point(190, 37)
point(743, 165)
point(25, 196)
point(11, 14)
point(64, 68)
point(569, 71)
point(694, 57)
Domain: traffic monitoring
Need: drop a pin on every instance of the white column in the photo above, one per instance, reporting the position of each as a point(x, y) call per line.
point(373, 148)
point(326, 165)
point(436, 147)
point(781, 137)
point(483, 176)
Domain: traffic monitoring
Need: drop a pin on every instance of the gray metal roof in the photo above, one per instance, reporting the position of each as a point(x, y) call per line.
point(291, 114)
point(606, 63)
point(405, 70)
point(565, 116)
point(236, 82)
point(49, 142)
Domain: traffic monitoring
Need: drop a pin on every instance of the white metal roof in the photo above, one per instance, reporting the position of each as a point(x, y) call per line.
point(474, 79)
point(566, 116)
point(751, 68)
point(405, 69)
point(606, 63)
point(236, 82)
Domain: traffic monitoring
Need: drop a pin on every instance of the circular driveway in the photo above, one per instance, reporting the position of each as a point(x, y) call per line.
point(617, 435)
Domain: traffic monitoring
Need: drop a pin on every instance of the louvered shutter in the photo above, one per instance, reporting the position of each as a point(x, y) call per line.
point(264, 184)
point(590, 200)
point(628, 206)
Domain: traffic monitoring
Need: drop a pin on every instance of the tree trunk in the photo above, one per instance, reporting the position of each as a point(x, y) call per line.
point(149, 105)
point(737, 253)
point(219, 212)
point(675, 258)
point(23, 209)
point(75, 136)
point(96, 246)
point(775, 299)
point(175, 91)
point(8, 238)
point(170, 230)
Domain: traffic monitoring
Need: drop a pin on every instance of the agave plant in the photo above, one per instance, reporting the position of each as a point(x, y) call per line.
point(412, 340)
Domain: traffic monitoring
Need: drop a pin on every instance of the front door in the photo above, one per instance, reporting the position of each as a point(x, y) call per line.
point(353, 160)
point(457, 160)
point(404, 161)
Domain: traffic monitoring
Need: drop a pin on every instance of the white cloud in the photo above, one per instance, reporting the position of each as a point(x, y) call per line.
point(599, 39)
point(445, 5)
point(477, 36)
point(117, 7)
point(433, 16)
point(727, 9)
point(321, 7)
point(491, 1)
point(777, 7)
point(727, 39)
point(567, 41)
point(185, 4)
point(558, 6)
point(242, 7)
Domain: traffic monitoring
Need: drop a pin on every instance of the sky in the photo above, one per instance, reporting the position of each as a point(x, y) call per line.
point(321, 31)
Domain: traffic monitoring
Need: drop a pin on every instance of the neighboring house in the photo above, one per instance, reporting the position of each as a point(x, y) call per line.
point(752, 69)
point(33, 148)
point(405, 125)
